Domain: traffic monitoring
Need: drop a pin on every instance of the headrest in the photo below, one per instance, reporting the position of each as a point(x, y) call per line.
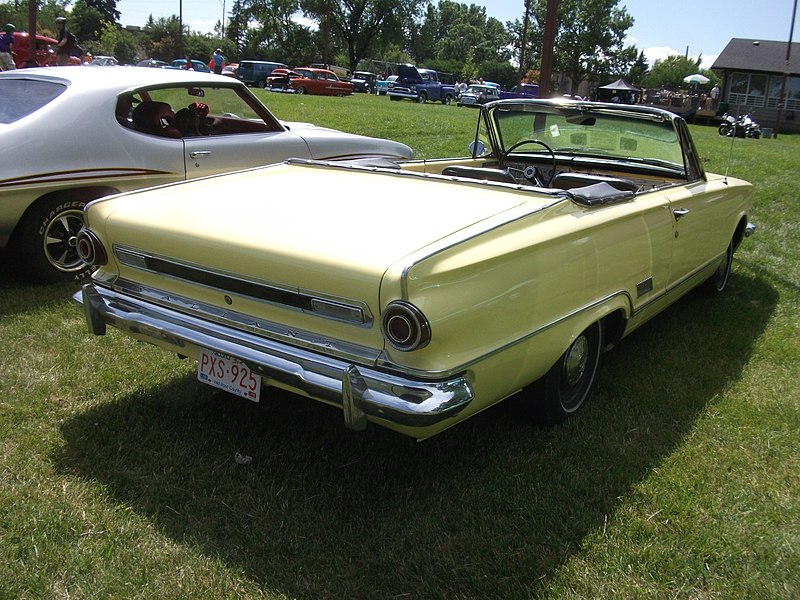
point(156, 118)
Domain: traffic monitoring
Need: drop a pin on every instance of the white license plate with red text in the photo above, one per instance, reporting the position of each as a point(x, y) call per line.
point(229, 374)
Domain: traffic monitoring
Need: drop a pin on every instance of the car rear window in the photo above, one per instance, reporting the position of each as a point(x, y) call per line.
point(22, 97)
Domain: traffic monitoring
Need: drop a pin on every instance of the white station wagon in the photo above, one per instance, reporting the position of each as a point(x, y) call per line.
point(73, 135)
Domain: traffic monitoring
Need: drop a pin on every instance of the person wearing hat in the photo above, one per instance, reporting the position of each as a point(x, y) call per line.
point(6, 52)
point(217, 61)
point(66, 42)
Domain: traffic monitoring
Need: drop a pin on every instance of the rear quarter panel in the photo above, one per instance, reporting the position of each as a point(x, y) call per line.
point(505, 304)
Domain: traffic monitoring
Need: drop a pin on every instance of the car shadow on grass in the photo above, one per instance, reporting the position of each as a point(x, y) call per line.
point(488, 509)
point(19, 296)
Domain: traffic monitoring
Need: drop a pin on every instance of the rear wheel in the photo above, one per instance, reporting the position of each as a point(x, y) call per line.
point(568, 384)
point(44, 245)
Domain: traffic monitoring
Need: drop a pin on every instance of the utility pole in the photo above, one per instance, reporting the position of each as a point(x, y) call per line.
point(524, 42)
point(32, 60)
point(551, 20)
point(180, 31)
point(785, 71)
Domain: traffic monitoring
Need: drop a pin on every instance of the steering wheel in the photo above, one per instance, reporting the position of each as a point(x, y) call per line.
point(522, 142)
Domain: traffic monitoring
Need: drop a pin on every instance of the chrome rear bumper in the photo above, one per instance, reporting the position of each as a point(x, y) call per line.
point(361, 391)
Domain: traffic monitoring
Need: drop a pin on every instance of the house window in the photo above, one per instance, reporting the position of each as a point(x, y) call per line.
point(758, 90)
point(791, 93)
point(747, 89)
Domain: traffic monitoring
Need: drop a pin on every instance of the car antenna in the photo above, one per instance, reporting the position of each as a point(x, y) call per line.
point(730, 152)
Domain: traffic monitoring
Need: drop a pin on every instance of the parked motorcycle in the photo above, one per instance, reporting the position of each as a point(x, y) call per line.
point(742, 127)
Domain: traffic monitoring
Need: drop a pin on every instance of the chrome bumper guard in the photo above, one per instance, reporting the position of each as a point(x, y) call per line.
point(360, 391)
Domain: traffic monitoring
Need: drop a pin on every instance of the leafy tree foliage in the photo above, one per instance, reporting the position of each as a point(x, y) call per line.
point(639, 70)
point(670, 72)
point(363, 27)
point(106, 8)
point(451, 30)
point(266, 29)
point(126, 46)
point(447, 35)
point(85, 21)
point(590, 39)
point(17, 13)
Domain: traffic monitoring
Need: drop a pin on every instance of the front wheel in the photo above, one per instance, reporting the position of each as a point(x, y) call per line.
point(44, 245)
point(422, 98)
point(724, 130)
point(568, 383)
point(717, 283)
point(301, 90)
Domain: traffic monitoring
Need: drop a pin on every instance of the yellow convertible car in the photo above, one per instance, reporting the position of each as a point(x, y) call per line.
point(462, 282)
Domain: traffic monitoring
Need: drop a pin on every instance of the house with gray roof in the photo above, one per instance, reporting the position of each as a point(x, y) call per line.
point(753, 72)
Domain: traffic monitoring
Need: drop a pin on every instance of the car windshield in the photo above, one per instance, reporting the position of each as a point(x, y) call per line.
point(22, 97)
point(581, 130)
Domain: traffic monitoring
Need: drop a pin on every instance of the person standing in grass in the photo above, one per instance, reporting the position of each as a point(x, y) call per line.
point(6, 51)
point(217, 61)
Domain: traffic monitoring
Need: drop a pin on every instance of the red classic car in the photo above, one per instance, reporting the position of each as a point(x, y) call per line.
point(320, 81)
point(44, 54)
point(279, 80)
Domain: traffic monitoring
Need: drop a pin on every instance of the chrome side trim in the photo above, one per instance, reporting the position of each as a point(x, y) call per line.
point(360, 390)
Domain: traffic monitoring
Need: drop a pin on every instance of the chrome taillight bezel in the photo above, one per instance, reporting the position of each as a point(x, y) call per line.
point(405, 327)
point(90, 249)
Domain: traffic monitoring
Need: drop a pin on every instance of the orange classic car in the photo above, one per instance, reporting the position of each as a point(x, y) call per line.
point(321, 82)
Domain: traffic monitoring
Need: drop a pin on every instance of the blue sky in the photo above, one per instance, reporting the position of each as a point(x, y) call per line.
point(660, 29)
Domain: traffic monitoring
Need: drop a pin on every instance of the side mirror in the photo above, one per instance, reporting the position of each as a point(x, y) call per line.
point(477, 148)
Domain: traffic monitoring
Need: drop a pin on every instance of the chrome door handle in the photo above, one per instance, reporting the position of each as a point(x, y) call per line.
point(680, 212)
point(199, 153)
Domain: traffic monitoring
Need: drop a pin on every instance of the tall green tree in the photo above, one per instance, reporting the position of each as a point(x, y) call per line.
point(669, 72)
point(267, 29)
point(461, 38)
point(639, 70)
point(107, 8)
point(590, 39)
point(458, 28)
point(17, 13)
point(89, 18)
point(363, 27)
point(85, 22)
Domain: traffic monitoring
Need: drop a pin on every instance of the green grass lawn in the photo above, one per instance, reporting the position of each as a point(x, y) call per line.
point(681, 478)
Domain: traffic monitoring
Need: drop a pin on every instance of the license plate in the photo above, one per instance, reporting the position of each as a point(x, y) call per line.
point(229, 374)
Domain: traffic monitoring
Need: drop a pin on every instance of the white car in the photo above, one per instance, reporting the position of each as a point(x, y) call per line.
point(73, 135)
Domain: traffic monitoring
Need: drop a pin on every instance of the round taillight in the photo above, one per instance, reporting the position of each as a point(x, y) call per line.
point(405, 327)
point(90, 249)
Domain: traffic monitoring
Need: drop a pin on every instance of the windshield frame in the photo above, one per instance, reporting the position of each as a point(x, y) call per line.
point(590, 131)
